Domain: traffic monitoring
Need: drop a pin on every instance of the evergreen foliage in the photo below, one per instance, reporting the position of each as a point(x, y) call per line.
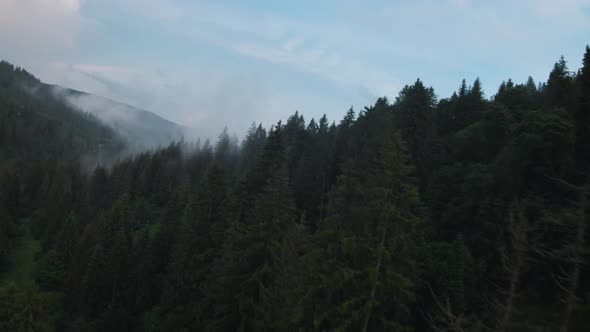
point(464, 213)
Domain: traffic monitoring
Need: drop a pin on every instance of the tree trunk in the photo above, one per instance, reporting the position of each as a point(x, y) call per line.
point(377, 269)
point(575, 274)
point(519, 244)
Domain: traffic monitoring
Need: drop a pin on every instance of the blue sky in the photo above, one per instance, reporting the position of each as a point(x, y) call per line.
point(207, 64)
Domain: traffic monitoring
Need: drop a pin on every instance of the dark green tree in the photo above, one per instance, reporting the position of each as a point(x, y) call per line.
point(362, 270)
point(559, 90)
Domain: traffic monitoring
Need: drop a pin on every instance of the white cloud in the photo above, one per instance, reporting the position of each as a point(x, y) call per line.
point(30, 26)
point(323, 50)
point(328, 66)
point(367, 48)
point(204, 100)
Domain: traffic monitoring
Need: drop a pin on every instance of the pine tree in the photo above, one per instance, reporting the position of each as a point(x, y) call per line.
point(95, 291)
point(582, 115)
point(558, 91)
point(244, 270)
point(348, 119)
point(476, 90)
point(67, 240)
point(414, 108)
point(361, 273)
point(343, 142)
point(252, 148)
point(286, 268)
point(5, 229)
point(509, 84)
point(312, 127)
point(226, 151)
point(197, 245)
point(463, 89)
point(501, 89)
point(323, 125)
point(530, 84)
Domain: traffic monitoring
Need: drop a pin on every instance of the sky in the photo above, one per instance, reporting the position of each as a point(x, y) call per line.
point(210, 64)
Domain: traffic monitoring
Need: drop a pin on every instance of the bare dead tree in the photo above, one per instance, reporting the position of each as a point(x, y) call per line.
point(573, 253)
point(575, 257)
point(445, 320)
point(513, 262)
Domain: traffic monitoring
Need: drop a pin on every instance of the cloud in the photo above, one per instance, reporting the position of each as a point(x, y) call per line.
point(203, 100)
point(318, 49)
point(228, 64)
point(31, 26)
point(322, 64)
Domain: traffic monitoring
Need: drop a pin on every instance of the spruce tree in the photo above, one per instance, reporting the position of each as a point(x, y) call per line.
point(558, 91)
point(362, 271)
point(582, 115)
point(244, 269)
point(463, 89)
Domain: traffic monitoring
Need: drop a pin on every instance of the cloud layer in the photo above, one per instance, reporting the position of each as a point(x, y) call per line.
point(30, 26)
point(206, 64)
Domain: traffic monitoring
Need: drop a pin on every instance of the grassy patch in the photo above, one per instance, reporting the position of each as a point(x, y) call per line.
point(21, 262)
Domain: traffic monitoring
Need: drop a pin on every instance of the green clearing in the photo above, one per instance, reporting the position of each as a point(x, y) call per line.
point(22, 261)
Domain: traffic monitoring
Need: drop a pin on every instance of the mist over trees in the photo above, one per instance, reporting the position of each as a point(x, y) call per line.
point(466, 213)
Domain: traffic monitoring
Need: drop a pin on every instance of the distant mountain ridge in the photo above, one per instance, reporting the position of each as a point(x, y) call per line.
point(37, 127)
point(139, 128)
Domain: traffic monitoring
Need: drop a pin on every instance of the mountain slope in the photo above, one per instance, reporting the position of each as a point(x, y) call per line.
point(139, 128)
point(36, 126)
point(74, 122)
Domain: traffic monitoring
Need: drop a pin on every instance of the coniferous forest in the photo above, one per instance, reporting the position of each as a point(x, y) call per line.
point(423, 213)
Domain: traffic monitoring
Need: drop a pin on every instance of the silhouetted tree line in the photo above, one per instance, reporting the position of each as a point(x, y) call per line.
point(461, 214)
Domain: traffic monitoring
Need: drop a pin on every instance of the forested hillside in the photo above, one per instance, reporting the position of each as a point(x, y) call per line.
point(465, 213)
point(36, 126)
point(40, 138)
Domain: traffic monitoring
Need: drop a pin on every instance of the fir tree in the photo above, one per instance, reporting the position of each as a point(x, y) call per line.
point(363, 256)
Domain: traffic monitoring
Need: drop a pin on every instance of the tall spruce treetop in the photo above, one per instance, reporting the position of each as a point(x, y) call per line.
point(348, 119)
point(414, 109)
point(252, 147)
point(530, 84)
point(509, 84)
point(582, 115)
point(323, 124)
point(463, 89)
point(558, 89)
point(501, 88)
point(312, 127)
point(585, 71)
point(476, 90)
point(584, 78)
point(225, 149)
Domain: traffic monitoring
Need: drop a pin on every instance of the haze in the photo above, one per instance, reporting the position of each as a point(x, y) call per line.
point(210, 64)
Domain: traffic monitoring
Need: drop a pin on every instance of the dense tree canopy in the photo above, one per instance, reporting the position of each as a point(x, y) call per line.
point(421, 214)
